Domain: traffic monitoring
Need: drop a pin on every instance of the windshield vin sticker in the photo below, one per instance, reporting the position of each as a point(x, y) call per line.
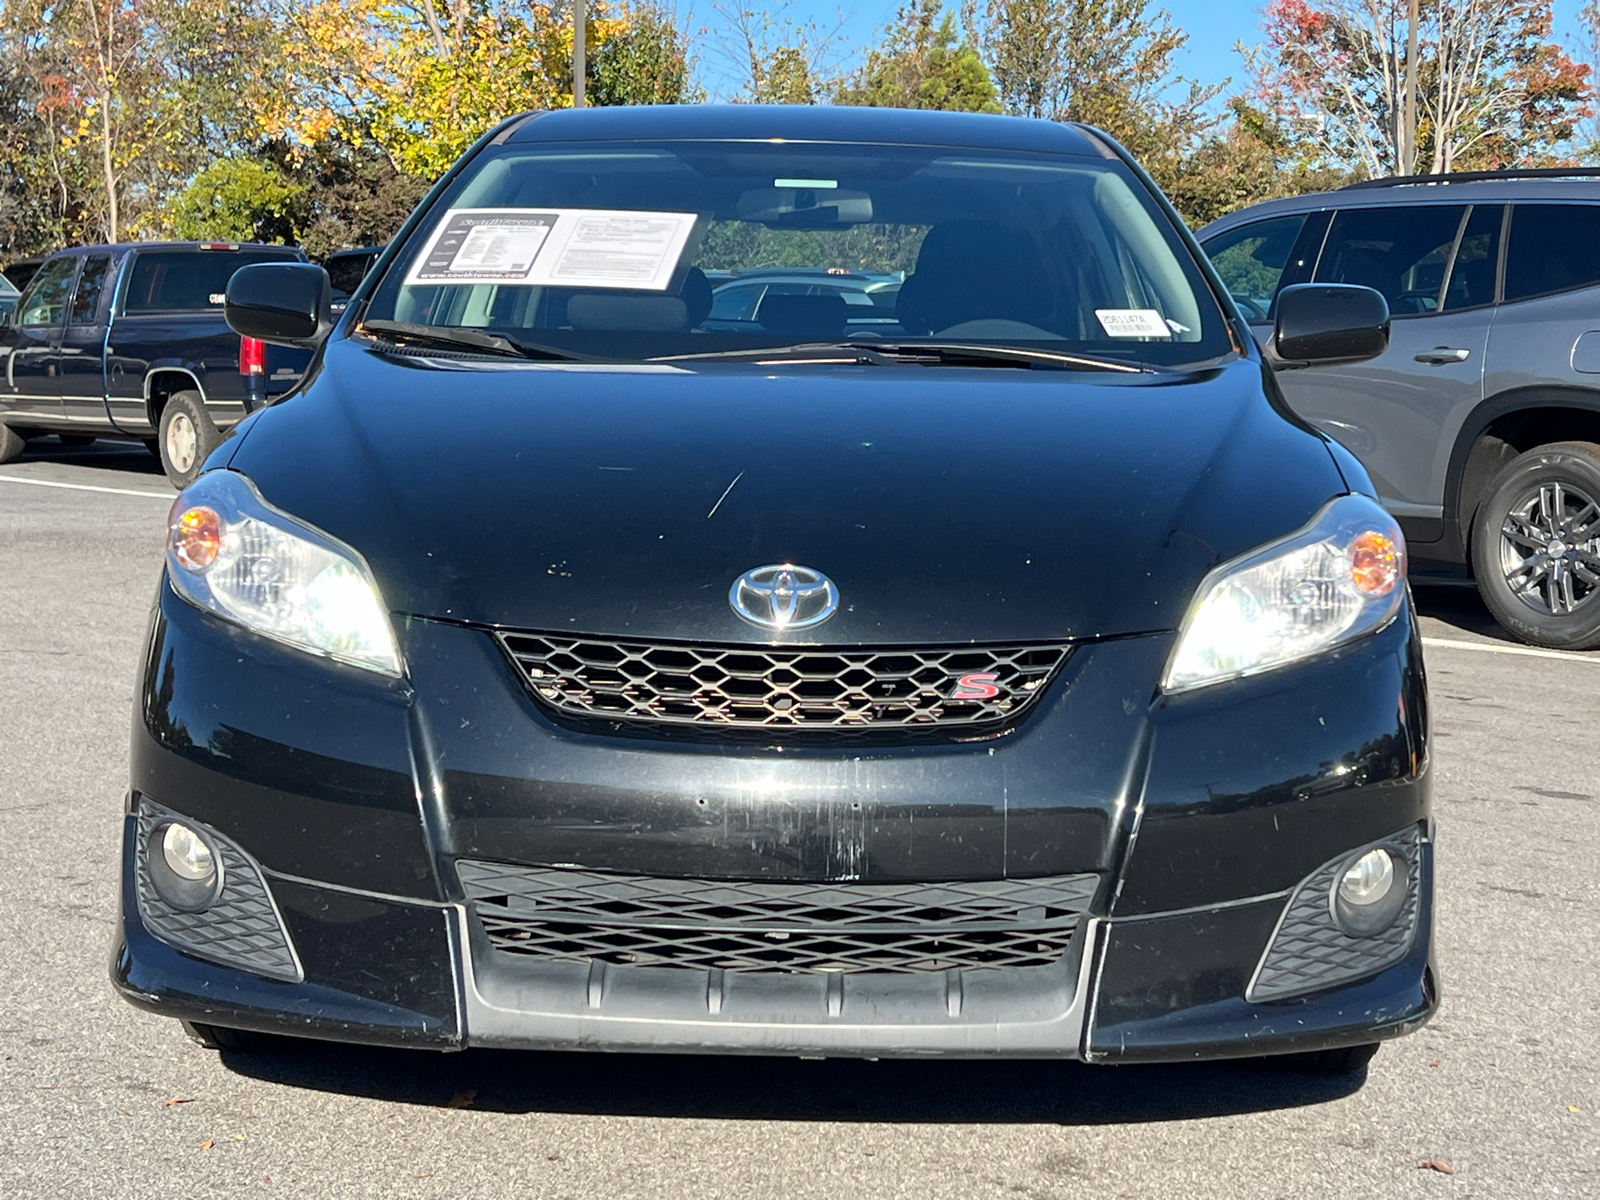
point(1133, 322)
point(566, 247)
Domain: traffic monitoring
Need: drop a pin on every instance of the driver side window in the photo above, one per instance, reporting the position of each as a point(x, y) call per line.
point(45, 302)
point(1250, 261)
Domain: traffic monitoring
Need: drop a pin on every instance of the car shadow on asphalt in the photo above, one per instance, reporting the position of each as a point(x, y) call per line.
point(105, 453)
point(1461, 607)
point(782, 1089)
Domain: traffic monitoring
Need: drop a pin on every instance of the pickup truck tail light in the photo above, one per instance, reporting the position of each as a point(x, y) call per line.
point(252, 356)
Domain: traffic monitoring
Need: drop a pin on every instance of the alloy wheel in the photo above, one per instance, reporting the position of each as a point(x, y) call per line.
point(1550, 548)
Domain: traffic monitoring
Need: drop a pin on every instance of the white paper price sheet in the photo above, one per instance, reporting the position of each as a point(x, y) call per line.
point(559, 247)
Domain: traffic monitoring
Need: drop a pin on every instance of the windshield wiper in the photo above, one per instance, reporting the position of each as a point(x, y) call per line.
point(884, 353)
point(817, 352)
point(454, 338)
point(970, 352)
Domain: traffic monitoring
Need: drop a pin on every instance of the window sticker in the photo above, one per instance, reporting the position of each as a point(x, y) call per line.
point(1133, 323)
point(565, 247)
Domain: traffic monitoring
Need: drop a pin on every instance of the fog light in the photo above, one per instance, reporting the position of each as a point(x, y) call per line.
point(1370, 893)
point(187, 855)
point(187, 872)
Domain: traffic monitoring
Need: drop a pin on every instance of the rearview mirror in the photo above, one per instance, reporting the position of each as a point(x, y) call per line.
point(1325, 324)
point(286, 304)
point(805, 207)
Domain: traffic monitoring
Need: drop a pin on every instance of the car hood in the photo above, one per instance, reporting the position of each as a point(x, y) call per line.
point(949, 505)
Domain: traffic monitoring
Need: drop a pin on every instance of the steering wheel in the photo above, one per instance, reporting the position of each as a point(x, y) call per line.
point(1252, 308)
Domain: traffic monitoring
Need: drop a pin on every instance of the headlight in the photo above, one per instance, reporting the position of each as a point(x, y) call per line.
point(1338, 579)
point(231, 553)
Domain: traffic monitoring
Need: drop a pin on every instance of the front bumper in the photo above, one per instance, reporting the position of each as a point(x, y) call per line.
point(1194, 822)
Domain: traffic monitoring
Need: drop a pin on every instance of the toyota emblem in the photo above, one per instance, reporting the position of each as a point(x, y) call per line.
point(783, 597)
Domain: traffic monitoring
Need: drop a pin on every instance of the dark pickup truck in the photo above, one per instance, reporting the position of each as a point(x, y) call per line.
point(130, 340)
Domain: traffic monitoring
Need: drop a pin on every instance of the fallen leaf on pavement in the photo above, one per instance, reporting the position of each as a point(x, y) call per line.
point(1437, 1164)
point(461, 1100)
point(207, 1144)
point(1434, 1063)
point(179, 1100)
point(1574, 1108)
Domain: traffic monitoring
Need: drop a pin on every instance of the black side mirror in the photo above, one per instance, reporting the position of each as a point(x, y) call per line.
point(286, 304)
point(1324, 324)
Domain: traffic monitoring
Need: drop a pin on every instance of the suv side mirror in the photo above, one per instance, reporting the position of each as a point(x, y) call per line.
point(1324, 324)
point(286, 304)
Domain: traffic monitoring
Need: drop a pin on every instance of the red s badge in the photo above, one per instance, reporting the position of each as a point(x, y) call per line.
point(976, 687)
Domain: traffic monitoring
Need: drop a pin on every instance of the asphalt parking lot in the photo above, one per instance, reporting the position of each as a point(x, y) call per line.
point(1499, 1094)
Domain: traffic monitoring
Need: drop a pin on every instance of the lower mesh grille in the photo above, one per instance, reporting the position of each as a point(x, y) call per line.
point(628, 920)
point(1310, 952)
point(777, 690)
point(242, 929)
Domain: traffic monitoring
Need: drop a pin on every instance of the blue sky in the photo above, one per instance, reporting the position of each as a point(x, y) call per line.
point(1213, 27)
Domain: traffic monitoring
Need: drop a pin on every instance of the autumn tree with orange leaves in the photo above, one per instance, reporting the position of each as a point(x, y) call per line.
point(1490, 88)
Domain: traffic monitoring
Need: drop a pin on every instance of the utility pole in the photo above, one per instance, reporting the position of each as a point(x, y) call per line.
point(1408, 110)
point(580, 67)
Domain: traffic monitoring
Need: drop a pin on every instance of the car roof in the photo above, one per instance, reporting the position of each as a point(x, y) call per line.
point(807, 123)
point(1484, 191)
point(119, 247)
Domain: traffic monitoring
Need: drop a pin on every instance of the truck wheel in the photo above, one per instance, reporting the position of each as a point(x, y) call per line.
point(11, 443)
point(1536, 546)
point(187, 436)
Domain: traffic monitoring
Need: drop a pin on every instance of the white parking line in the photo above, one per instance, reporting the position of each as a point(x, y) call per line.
point(85, 487)
point(1494, 648)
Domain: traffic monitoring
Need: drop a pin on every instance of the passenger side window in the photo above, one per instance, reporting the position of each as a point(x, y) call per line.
point(1399, 251)
point(1553, 248)
point(46, 300)
point(1477, 260)
point(1250, 260)
point(91, 286)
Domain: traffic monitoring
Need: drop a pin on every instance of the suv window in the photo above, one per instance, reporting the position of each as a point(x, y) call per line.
point(1250, 261)
point(1399, 251)
point(1477, 259)
point(91, 286)
point(1553, 248)
point(46, 301)
point(346, 271)
point(189, 280)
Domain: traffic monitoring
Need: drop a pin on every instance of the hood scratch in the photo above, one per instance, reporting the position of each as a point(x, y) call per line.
point(724, 496)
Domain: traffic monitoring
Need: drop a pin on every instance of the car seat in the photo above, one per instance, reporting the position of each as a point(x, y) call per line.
point(970, 270)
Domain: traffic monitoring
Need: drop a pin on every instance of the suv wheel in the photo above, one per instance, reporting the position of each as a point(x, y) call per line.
point(187, 437)
point(1536, 546)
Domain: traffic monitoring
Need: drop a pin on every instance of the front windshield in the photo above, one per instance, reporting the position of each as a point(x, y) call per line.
point(634, 251)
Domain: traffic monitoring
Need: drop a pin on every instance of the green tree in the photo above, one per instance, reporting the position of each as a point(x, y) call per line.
point(1107, 63)
point(647, 61)
point(352, 195)
point(237, 200)
point(921, 64)
point(1249, 160)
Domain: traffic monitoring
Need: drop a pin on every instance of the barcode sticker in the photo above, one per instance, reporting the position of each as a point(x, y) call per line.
point(1133, 323)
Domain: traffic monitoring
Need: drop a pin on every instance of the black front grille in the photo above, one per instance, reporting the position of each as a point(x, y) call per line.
point(783, 690)
point(628, 920)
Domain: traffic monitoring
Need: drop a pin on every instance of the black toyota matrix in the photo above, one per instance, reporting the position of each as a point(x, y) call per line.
point(987, 665)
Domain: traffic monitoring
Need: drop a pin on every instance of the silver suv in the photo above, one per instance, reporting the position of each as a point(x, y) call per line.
point(1480, 425)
